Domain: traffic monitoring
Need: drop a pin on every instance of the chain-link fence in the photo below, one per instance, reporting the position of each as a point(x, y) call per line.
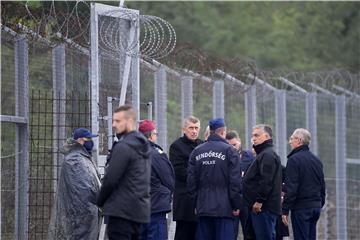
point(28, 182)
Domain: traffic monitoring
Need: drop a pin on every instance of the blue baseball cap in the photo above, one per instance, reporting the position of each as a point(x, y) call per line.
point(216, 123)
point(83, 133)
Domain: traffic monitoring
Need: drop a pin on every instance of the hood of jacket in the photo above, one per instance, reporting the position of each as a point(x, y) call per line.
point(72, 145)
point(137, 142)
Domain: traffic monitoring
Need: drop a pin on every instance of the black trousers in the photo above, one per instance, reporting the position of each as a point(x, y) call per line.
point(123, 229)
point(185, 230)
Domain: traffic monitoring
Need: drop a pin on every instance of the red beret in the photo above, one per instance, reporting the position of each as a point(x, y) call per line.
point(146, 126)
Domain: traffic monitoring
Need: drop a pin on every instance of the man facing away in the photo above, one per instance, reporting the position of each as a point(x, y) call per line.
point(246, 158)
point(125, 191)
point(262, 184)
point(179, 152)
point(214, 183)
point(162, 186)
point(76, 216)
point(305, 187)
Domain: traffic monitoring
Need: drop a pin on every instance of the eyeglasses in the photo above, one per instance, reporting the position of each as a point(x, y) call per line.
point(155, 133)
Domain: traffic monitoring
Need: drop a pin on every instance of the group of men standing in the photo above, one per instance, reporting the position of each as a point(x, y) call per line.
point(211, 184)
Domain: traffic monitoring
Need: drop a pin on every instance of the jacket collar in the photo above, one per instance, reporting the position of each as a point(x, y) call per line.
point(298, 149)
point(215, 137)
point(154, 145)
point(185, 139)
point(260, 147)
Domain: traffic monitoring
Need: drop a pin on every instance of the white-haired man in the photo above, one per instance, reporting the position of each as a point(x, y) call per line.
point(305, 187)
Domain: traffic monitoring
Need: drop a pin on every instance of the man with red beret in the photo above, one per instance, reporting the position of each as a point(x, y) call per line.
point(162, 185)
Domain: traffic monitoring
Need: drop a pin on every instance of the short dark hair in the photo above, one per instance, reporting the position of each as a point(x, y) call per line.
point(128, 109)
point(231, 135)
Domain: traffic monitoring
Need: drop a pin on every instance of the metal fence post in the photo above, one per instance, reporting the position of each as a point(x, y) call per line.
point(280, 121)
point(109, 122)
point(218, 99)
point(160, 87)
point(135, 73)
point(311, 123)
point(94, 76)
point(340, 166)
point(59, 91)
point(150, 110)
point(186, 96)
point(250, 114)
point(22, 139)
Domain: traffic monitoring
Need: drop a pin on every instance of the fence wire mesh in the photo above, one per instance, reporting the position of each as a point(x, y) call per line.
point(147, 91)
point(45, 137)
point(265, 106)
point(44, 167)
point(77, 70)
point(174, 121)
point(235, 108)
point(295, 112)
point(7, 74)
point(8, 189)
point(202, 102)
point(353, 168)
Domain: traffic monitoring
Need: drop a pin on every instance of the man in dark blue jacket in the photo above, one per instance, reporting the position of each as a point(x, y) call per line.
point(262, 184)
point(214, 183)
point(246, 158)
point(180, 150)
point(162, 186)
point(305, 187)
point(125, 191)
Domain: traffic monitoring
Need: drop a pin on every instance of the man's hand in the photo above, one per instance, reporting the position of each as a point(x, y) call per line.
point(285, 219)
point(236, 212)
point(256, 208)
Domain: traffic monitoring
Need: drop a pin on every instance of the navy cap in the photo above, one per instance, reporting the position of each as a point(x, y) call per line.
point(82, 133)
point(216, 123)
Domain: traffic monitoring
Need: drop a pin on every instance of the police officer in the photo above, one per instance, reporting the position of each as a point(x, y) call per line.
point(162, 186)
point(214, 183)
point(246, 158)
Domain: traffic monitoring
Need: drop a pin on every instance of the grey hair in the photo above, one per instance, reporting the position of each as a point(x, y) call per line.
point(266, 128)
point(303, 134)
point(190, 119)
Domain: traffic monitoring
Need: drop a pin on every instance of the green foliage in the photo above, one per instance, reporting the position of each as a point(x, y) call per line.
point(302, 36)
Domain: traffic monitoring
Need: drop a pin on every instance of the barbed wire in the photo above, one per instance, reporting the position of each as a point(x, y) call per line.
point(158, 41)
